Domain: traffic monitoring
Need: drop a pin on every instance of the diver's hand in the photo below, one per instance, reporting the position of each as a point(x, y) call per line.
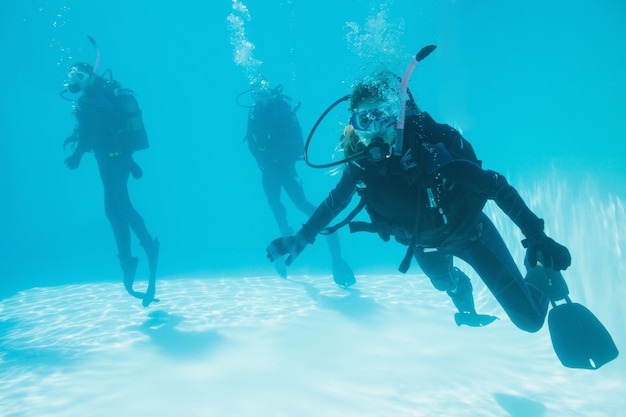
point(289, 245)
point(73, 160)
point(550, 253)
point(135, 170)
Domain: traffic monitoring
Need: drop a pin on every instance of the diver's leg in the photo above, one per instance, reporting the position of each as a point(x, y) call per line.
point(111, 178)
point(438, 267)
point(342, 273)
point(113, 207)
point(135, 221)
point(151, 245)
point(491, 259)
point(292, 184)
point(271, 181)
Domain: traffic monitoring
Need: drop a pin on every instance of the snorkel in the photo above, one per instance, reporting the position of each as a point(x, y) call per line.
point(96, 63)
point(404, 95)
point(404, 84)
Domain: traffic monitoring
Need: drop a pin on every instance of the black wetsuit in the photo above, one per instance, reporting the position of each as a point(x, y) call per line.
point(274, 138)
point(97, 130)
point(433, 203)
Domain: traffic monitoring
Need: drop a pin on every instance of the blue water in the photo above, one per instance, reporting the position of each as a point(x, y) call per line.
point(537, 87)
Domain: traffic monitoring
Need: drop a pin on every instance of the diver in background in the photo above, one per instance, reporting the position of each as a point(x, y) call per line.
point(274, 137)
point(108, 123)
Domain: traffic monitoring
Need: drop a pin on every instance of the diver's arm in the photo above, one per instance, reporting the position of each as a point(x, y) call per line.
point(251, 137)
point(80, 148)
point(496, 188)
point(337, 200)
point(539, 247)
point(512, 204)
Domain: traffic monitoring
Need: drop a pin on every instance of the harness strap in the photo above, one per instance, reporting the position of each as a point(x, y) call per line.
point(384, 232)
point(410, 251)
point(381, 228)
point(332, 229)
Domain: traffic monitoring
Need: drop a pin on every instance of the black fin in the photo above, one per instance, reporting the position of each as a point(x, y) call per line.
point(473, 320)
point(579, 339)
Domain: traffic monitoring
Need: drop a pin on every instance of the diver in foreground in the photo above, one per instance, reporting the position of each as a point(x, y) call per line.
point(421, 183)
point(109, 124)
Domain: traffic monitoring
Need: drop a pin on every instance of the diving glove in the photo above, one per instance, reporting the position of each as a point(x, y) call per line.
point(73, 160)
point(288, 245)
point(554, 255)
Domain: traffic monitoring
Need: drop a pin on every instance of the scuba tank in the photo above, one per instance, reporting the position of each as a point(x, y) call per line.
point(132, 132)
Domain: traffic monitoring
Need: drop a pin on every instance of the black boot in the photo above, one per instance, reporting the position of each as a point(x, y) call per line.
point(461, 294)
point(463, 298)
point(548, 281)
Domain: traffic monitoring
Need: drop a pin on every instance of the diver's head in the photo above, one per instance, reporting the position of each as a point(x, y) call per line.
point(262, 93)
point(380, 87)
point(80, 77)
point(375, 108)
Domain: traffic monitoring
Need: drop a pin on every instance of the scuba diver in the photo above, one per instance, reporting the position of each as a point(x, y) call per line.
point(421, 183)
point(109, 124)
point(274, 137)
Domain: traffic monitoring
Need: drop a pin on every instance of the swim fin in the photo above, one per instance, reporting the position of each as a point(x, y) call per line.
point(152, 250)
point(579, 339)
point(473, 319)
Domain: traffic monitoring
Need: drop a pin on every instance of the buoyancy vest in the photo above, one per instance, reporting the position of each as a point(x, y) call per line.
point(274, 132)
point(110, 121)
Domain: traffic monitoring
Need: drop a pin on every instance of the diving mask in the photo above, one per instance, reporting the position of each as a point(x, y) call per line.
point(372, 120)
point(375, 131)
point(77, 80)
